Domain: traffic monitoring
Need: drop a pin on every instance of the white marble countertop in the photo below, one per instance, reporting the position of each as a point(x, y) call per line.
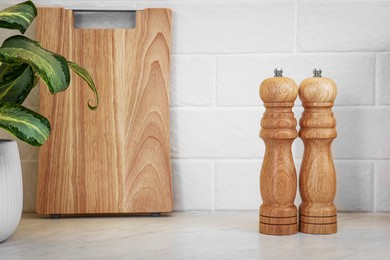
point(192, 235)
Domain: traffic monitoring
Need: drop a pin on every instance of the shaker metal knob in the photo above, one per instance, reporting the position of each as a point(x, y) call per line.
point(317, 73)
point(278, 72)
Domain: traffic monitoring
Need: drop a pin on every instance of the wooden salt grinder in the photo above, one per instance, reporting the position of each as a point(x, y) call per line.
point(278, 180)
point(317, 179)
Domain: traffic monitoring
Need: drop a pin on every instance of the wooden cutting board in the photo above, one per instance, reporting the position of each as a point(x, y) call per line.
point(115, 159)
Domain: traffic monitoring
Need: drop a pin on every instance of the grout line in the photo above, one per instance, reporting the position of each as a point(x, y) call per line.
point(374, 187)
point(363, 106)
point(253, 159)
point(213, 186)
point(208, 108)
point(376, 79)
point(282, 53)
point(200, 106)
point(360, 159)
point(217, 159)
point(209, 55)
point(261, 108)
point(215, 82)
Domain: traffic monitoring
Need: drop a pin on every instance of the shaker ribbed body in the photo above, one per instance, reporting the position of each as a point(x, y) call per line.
point(278, 182)
point(317, 179)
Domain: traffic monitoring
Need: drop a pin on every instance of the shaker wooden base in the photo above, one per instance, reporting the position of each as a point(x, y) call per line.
point(278, 230)
point(318, 229)
point(278, 226)
point(323, 225)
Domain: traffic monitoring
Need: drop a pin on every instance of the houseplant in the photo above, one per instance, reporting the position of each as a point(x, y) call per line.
point(22, 63)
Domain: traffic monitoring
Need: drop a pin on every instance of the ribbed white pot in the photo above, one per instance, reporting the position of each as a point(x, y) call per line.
point(11, 188)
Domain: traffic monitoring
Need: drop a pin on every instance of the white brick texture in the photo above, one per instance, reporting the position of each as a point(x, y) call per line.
point(237, 185)
point(384, 78)
point(221, 51)
point(343, 25)
point(239, 76)
point(382, 185)
point(231, 26)
point(192, 80)
point(216, 133)
point(193, 184)
point(354, 185)
point(355, 191)
point(363, 133)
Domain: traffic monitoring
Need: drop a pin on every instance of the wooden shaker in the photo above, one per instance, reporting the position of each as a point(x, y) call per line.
point(317, 178)
point(278, 180)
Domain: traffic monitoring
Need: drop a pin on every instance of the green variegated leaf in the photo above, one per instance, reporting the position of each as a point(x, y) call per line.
point(7, 72)
point(18, 17)
point(16, 83)
point(25, 124)
point(83, 73)
point(51, 67)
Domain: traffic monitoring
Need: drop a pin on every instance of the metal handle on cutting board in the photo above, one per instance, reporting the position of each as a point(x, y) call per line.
point(104, 19)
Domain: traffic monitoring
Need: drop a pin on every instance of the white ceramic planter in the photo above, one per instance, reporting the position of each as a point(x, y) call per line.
point(11, 188)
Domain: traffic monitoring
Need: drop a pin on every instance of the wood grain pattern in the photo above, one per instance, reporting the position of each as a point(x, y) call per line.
point(278, 181)
point(115, 159)
point(317, 179)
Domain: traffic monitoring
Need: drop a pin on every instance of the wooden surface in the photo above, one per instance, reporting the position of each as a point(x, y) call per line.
point(317, 179)
point(115, 159)
point(278, 181)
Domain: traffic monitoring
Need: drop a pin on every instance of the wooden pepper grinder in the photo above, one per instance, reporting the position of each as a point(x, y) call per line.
point(317, 179)
point(278, 180)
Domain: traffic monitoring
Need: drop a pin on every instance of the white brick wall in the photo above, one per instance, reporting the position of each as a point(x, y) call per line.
point(222, 50)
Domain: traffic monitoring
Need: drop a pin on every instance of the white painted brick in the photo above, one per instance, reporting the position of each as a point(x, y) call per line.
point(30, 172)
point(237, 185)
point(193, 185)
point(384, 79)
point(354, 185)
point(363, 133)
point(382, 185)
point(192, 80)
point(239, 76)
point(216, 133)
point(229, 26)
point(343, 25)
